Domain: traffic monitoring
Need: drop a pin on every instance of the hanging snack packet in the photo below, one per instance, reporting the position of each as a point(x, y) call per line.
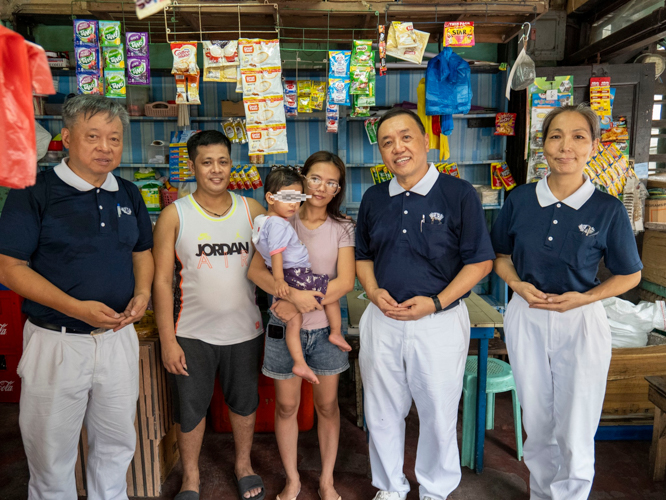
point(109, 33)
point(258, 53)
point(496, 182)
point(382, 49)
point(184, 57)
point(138, 70)
point(370, 130)
point(338, 91)
point(239, 81)
point(85, 32)
point(232, 179)
point(268, 139)
point(244, 181)
point(505, 175)
point(87, 58)
point(363, 53)
point(290, 99)
point(114, 57)
point(254, 108)
point(404, 34)
point(332, 124)
point(230, 48)
point(239, 129)
point(115, 84)
point(411, 54)
point(318, 95)
point(213, 54)
point(452, 169)
point(181, 89)
point(304, 87)
point(366, 100)
point(339, 63)
point(304, 104)
point(361, 76)
point(266, 81)
point(136, 43)
point(193, 89)
point(505, 124)
point(255, 178)
point(89, 83)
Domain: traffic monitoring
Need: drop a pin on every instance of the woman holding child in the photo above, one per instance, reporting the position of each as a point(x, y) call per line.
point(329, 239)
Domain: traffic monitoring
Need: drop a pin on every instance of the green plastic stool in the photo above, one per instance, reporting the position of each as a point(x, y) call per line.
point(500, 379)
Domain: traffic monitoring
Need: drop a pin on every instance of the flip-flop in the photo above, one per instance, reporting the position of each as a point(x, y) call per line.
point(187, 495)
point(247, 483)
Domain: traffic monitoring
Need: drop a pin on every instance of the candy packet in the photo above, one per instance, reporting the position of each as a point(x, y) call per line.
point(338, 91)
point(115, 84)
point(136, 43)
point(109, 33)
point(85, 32)
point(258, 53)
point(87, 58)
point(404, 34)
point(184, 57)
point(114, 57)
point(339, 63)
point(89, 83)
point(138, 70)
point(505, 124)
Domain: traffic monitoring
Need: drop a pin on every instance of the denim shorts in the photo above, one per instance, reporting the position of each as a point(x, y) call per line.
point(321, 356)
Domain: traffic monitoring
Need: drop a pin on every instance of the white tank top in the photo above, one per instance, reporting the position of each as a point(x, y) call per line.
point(213, 299)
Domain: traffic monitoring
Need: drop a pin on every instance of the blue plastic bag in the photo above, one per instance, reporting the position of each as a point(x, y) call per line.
point(448, 87)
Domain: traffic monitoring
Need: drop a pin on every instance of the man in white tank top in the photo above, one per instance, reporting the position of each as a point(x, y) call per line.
point(208, 318)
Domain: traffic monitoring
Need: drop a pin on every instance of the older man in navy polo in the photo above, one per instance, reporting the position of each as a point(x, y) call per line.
point(77, 245)
point(421, 245)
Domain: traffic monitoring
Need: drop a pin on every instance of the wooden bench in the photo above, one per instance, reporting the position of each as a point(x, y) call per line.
point(657, 395)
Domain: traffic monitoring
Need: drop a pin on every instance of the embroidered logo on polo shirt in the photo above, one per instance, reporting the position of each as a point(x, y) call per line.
point(587, 230)
point(126, 210)
point(436, 216)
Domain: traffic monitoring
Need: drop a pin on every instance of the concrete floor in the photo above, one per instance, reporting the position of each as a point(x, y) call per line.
point(622, 466)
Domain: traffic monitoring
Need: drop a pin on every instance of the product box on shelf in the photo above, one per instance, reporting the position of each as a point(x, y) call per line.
point(654, 264)
point(231, 108)
point(655, 210)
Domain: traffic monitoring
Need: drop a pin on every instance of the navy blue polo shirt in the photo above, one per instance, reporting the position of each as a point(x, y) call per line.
point(420, 239)
point(557, 245)
point(78, 237)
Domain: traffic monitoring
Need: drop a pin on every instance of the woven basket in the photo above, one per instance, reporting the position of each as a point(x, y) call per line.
point(161, 108)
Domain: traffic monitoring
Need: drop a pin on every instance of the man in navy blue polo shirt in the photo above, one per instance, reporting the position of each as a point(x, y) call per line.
point(77, 245)
point(421, 245)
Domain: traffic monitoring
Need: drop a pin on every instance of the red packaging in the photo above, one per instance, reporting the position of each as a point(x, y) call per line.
point(505, 176)
point(10, 382)
point(11, 322)
point(505, 124)
point(495, 178)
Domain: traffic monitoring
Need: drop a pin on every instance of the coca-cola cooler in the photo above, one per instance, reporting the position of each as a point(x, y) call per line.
point(11, 345)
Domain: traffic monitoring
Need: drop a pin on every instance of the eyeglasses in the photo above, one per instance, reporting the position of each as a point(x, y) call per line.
point(332, 187)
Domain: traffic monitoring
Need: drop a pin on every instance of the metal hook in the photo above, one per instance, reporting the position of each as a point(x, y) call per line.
point(525, 37)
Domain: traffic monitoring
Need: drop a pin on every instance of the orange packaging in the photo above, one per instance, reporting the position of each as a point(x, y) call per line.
point(505, 176)
point(496, 181)
point(452, 169)
point(505, 123)
point(245, 182)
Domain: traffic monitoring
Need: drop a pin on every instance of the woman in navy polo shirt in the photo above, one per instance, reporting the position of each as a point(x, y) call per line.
point(549, 238)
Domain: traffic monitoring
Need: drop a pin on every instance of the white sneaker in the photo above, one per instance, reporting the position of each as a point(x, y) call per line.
point(389, 495)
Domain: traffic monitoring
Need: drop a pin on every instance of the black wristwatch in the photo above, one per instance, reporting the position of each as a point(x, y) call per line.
point(438, 304)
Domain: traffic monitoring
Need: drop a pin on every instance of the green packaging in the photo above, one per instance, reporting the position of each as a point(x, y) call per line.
point(115, 84)
point(114, 57)
point(109, 33)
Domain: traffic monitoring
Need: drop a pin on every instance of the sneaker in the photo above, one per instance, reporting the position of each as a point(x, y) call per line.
point(389, 495)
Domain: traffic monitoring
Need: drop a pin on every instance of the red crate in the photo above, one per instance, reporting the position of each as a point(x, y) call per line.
point(11, 322)
point(10, 382)
point(266, 411)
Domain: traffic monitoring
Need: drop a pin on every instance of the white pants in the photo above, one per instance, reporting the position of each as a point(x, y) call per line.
point(68, 380)
point(423, 360)
point(560, 363)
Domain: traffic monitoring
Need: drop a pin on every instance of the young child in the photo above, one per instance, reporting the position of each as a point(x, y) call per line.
point(288, 260)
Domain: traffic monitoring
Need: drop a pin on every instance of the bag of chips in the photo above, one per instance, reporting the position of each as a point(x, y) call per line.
point(505, 124)
point(504, 173)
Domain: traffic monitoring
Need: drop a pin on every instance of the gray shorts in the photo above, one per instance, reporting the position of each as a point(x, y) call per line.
point(238, 367)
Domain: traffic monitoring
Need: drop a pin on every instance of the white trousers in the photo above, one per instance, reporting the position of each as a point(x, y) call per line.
point(422, 360)
point(560, 363)
point(68, 380)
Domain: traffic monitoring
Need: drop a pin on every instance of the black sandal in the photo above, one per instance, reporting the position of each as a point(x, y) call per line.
point(248, 483)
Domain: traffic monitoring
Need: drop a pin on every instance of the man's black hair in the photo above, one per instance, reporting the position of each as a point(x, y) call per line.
point(206, 138)
point(397, 111)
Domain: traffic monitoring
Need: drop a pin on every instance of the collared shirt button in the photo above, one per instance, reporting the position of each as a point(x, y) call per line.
point(404, 230)
point(103, 224)
point(554, 222)
point(559, 205)
point(405, 212)
point(98, 190)
point(550, 238)
point(100, 207)
point(407, 193)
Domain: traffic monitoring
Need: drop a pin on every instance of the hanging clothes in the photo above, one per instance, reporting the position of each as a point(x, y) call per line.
point(448, 84)
point(23, 68)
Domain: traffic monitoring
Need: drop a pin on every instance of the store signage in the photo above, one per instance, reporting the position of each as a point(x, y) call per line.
point(459, 34)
